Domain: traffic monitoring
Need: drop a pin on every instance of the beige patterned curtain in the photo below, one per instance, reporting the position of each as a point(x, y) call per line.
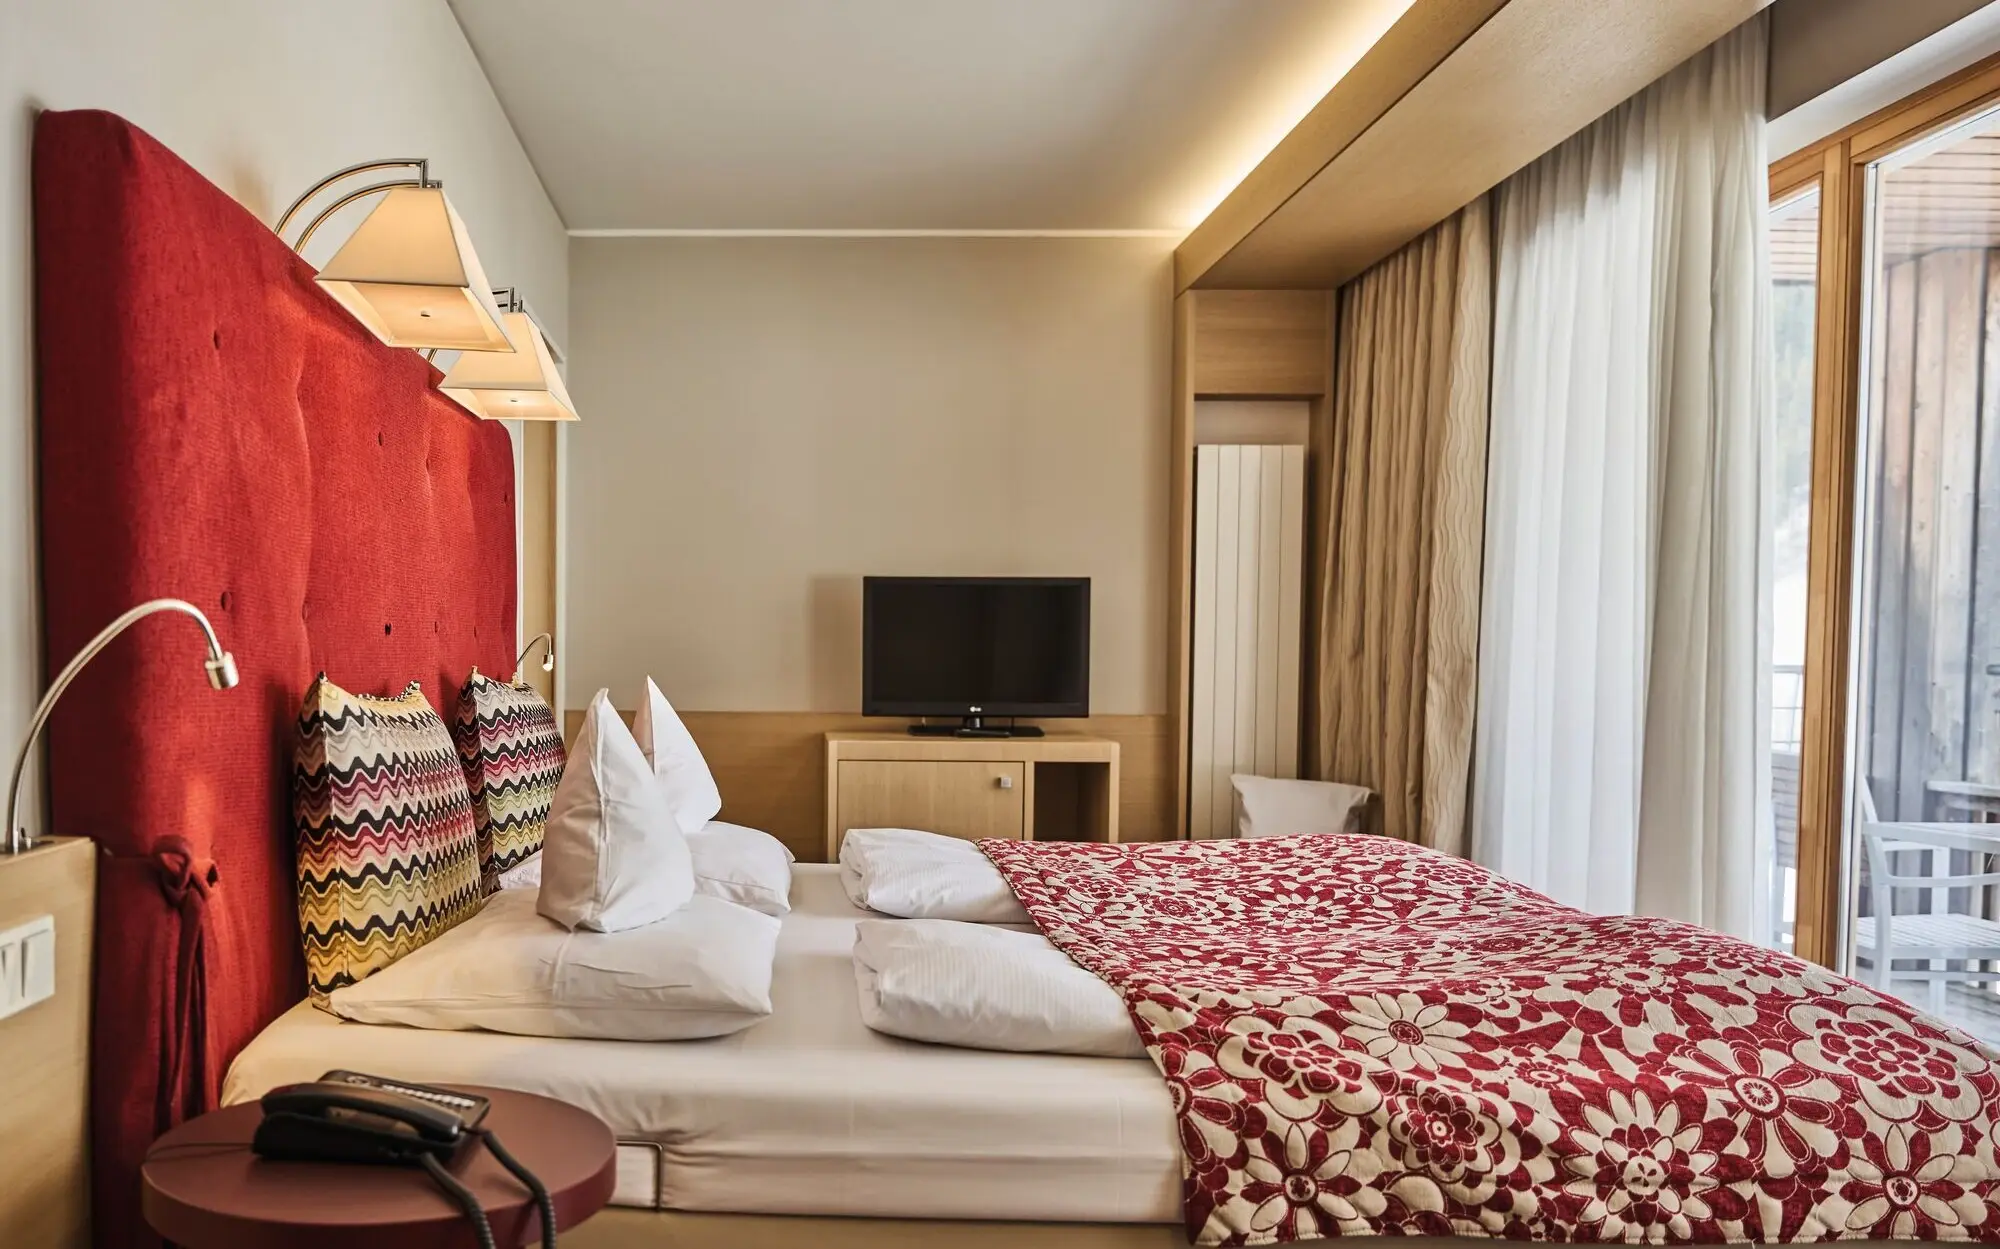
point(1404, 485)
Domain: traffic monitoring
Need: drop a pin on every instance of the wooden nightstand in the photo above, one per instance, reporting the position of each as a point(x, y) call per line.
point(1063, 787)
point(204, 1189)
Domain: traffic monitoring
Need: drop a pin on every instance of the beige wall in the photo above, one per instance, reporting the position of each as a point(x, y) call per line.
point(264, 97)
point(766, 420)
point(1818, 44)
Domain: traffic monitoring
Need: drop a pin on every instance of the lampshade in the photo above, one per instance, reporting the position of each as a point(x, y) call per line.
point(522, 385)
point(410, 275)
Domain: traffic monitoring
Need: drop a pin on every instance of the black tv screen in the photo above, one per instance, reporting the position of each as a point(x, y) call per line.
point(975, 646)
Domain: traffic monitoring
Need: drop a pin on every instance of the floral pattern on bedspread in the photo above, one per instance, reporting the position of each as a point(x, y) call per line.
point(1365, 1037)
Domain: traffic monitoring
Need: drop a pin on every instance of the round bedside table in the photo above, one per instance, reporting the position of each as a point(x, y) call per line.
point(204, 1189)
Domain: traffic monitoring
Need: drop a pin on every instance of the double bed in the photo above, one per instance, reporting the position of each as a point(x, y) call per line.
point(808, 1112)
point(215, 427)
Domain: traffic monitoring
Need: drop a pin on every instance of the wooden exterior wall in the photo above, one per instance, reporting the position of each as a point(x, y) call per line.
point(1933, 558)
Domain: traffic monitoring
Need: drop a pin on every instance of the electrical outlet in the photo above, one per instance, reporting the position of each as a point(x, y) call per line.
point(27, 964)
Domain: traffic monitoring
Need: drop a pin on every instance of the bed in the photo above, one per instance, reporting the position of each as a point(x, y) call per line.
point(215, 427)
point(808, 1112)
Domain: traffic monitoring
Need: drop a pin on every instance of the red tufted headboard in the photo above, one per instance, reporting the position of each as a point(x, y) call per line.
point(215, 428)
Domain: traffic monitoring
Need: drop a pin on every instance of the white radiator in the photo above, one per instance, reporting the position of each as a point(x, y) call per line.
point(1249, 559)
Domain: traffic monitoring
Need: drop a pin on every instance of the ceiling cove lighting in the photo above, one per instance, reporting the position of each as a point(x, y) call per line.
point(408, 272)
point(521, 385)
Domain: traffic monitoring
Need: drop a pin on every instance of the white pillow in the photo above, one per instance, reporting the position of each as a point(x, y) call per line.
point(982, 987)
point(731, 862)
point(612, 856)
point(676, 760)
point(527, 874)
point(919, 875)
point(703, 971)
point(1280, 808)
point(742, 865)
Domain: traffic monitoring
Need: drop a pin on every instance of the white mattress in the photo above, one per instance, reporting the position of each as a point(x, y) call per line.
point(808, 1112)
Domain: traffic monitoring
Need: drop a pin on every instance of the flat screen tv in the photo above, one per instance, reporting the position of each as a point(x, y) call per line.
point(975, 648)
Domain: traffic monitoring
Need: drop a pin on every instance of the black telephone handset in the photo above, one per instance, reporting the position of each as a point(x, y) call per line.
point(347, 1117)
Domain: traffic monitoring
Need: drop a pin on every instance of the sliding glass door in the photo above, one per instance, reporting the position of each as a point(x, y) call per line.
point(1795, 243)
point(1922, 830)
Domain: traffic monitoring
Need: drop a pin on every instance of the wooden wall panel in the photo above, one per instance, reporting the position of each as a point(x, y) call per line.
point(1270, 344)
point(539, 546)
point(1932, 606)
point(44, 1087)
point(771, 769)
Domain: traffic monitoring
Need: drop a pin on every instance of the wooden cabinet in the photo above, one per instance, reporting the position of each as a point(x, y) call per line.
point(960, 799)
point(1056, 788)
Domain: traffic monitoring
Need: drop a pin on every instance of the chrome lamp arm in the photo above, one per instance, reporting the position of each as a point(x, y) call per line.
point(548, 661)
point(220, 665)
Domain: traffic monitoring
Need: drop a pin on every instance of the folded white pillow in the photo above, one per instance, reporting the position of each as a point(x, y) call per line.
point(742, 865)
point(676, 761)
point(981, 987)
point(613, 856)
point(918, 875)
point(1268, 807)
point(703, 971)
point(738, 864)
point(527, 874)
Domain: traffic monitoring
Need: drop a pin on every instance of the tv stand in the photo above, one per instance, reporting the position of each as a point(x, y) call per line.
point(1061, 787)
point(975, 726)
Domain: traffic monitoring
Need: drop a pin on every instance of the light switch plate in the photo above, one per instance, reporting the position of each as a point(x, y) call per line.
point(38, 967)
point(27, 964)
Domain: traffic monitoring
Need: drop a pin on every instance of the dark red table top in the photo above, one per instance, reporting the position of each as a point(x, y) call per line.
point(204, 1189)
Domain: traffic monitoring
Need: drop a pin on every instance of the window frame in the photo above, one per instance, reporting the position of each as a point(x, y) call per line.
point(1838, 167)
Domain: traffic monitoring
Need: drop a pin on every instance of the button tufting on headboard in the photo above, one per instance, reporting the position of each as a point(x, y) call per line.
point(261, 482)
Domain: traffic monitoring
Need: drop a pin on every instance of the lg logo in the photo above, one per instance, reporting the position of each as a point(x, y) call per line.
point(977, 710)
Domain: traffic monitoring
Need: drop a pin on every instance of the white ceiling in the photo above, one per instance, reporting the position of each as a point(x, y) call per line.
point(907, 114)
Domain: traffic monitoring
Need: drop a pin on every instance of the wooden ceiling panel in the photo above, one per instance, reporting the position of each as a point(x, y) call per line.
point(1528, 77)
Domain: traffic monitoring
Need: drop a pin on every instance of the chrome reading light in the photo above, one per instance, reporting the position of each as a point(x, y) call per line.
point(522, 385)
point(548, 660)
point(408, 272)
point(220, 665)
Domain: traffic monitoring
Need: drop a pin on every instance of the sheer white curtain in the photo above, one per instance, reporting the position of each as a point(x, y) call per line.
point(1621, 725)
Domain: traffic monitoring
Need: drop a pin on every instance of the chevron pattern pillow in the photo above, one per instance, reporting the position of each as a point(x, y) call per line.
point(388, 853)
point(513, 756)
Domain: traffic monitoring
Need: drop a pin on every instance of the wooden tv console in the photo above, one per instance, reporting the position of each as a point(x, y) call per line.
point(1063, 787)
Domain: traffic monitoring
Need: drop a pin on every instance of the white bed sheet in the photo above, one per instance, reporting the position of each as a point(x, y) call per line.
point(808, 1112)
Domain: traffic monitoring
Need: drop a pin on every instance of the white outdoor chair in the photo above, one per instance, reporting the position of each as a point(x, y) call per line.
point(1926, 939)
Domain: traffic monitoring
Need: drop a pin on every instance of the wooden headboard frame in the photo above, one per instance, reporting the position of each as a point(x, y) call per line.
point(215, 428)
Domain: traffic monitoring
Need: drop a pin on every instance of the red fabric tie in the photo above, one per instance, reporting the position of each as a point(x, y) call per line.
point(186, 882)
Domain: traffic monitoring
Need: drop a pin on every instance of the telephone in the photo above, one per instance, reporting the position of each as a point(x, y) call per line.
point(348, 1117)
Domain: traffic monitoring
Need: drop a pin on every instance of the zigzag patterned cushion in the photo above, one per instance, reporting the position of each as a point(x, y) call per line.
point(513, 756)
point(388, 855)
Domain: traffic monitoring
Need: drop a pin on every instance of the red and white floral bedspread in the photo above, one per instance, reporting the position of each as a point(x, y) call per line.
point(1366, 1037)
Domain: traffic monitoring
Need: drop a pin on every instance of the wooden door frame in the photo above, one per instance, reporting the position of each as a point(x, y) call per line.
point(1838, 167)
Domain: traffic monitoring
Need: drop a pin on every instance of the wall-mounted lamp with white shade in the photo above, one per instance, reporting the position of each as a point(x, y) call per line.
point(522, 385)
point(408, 272)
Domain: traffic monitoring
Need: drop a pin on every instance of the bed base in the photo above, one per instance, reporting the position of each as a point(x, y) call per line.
point(619, 1227)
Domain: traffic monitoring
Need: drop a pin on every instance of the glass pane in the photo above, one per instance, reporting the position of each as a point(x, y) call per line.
point(1924, 824)
point(1794, 295)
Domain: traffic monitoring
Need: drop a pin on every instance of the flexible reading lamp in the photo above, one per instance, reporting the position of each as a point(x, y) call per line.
point(548, 661)
point(220, 664)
